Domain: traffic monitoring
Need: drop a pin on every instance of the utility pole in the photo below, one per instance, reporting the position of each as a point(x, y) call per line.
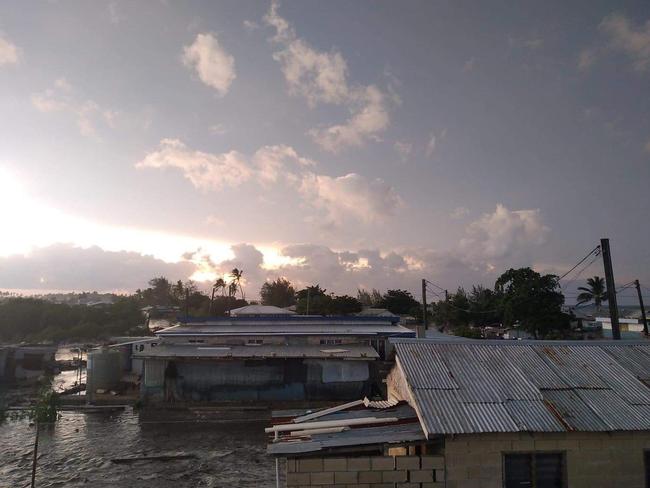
point(446, 310)
point(645, 321)
point(211, 301)
point(424, 305)
point(611, 289)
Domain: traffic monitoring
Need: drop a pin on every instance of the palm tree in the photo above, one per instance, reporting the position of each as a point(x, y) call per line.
point(236, 275)
point(595, 291)
point(220, 284)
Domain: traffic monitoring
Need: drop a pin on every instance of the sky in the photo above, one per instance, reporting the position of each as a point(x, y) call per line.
point(351, 144)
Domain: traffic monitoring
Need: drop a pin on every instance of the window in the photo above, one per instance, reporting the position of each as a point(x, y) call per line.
point(534, 470)
point(330, 341)
point(255, 342)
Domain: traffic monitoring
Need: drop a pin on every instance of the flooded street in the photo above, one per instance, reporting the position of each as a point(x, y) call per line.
point(78, 450)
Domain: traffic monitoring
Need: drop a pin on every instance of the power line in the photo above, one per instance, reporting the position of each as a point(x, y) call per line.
point(594, 250)
point(581, 271)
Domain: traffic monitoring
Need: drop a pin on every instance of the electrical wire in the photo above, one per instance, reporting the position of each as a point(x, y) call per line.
point(581, 271)
point(594, 250)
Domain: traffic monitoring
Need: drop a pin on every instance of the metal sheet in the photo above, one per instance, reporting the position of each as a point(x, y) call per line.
point(532, 416)
point(573, 411)
point(425, 367)
point(262, 351)
point(527, 386)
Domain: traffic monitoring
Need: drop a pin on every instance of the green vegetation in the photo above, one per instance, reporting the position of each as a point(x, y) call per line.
point(595, 291)
point(521, 297)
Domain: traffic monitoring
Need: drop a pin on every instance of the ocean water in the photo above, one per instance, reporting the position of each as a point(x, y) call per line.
point(77, 451)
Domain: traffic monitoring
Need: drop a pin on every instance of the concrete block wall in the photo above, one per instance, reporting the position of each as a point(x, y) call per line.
point(367, 472)
point(593, 460)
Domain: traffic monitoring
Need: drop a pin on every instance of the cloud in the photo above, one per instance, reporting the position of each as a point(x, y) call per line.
point(624, 36)
point(250, 25)
point(504, 236)
point(433, 142)
point(280, 161)
point(459, 212)
point(351, 195)
point(341, 198)
point(321, 77)
point(205, 171)
point(66, 267)
point(366, 121)
point(586, 59)
point(9, 53)
point(215, 67)
point(88, 113)
point(403, 149)
point(217, 129)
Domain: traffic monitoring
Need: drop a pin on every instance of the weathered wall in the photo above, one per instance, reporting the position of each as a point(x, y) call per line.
point(367, 472)
point(260, 380)
point(593, 460)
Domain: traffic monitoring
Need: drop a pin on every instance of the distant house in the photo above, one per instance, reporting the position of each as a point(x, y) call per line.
point(281, 356)
point(562, 414)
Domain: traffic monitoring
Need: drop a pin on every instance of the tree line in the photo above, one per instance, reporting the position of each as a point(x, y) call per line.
point(520, 297)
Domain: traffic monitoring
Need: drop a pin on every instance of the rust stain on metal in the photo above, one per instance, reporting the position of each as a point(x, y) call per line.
point(556, 413)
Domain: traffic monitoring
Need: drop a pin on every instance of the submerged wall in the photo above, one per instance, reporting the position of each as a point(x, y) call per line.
point(259, 380)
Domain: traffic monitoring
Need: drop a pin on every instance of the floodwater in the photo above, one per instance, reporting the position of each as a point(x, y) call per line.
point(78, 449)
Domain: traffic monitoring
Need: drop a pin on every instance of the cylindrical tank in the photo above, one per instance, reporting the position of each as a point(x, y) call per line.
point(104, 369)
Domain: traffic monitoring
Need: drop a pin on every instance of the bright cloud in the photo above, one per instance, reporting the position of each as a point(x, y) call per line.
point(281, 161)
point(504, 235)
point(205, 171)
point(341, 198)
point(350, 195)
point(434, 141)
point(88, 113)
point(321, 77)
point(635, 41)
point(370, 119)
point(215, 66)
point(9, 53)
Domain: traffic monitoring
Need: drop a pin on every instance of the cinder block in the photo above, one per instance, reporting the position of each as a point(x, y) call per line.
point(433, 462)
point(310, 465)
point(439, 475)
point(322, 478)
point(297, 479)
point(382, 463)
point(394, 476)
point(438, 484)
point(359, 463)
point(369, 476)
point(408, 485)
point(359, 485)
point(345, 477)
point(291, 465)
point(335, 464)
point(407, 462)
point(421, 476)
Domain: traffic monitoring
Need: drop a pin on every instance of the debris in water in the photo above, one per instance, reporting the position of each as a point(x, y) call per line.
point(162, 457)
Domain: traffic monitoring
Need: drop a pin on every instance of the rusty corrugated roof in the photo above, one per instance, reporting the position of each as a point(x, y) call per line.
point(527, 386)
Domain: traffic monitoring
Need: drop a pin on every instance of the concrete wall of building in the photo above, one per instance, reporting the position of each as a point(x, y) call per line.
point(592, 460)
point(260, 380)
point(367, 472)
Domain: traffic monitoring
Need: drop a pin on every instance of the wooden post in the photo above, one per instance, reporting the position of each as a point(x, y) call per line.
point(611, 289)
point(643, 317)
point(35, 457)
point(425, 322)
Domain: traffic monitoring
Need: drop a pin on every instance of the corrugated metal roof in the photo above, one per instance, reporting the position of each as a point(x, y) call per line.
point(529, 386)
point(406, 430)
point(244, 328)
point(262, 351)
